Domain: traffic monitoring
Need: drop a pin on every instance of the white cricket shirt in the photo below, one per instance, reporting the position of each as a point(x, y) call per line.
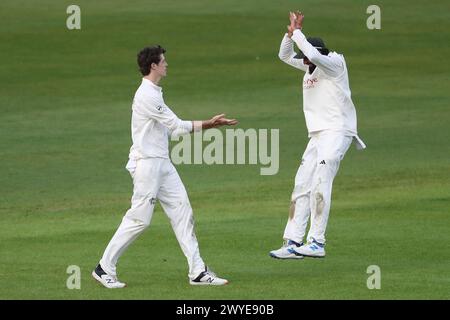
point(327, 102)
point(152, 122)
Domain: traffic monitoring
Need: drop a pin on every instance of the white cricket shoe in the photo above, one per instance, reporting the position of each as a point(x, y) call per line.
point(208, 278)
point(312, 249)
point(109, 281)
point(287, 251)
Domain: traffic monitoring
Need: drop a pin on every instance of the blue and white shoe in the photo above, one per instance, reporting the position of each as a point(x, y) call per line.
point(109, 281)
point(287, 251)
point(313, 249)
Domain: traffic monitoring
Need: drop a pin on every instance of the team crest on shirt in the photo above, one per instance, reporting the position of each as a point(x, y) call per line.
point(309, 83)
point(160, 108)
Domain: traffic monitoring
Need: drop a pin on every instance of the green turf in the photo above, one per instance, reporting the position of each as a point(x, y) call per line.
point(65, 115)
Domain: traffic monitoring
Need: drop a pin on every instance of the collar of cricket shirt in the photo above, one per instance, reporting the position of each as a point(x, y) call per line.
point(150, 83)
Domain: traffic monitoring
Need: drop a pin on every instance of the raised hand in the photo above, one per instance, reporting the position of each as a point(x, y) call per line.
point(291, 27)
point(296, 22)
point(299, 17)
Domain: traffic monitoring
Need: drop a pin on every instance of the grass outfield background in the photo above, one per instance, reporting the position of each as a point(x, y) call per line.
point(65, 101)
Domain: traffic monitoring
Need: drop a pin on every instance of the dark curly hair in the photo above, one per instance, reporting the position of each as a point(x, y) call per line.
point(147, 56)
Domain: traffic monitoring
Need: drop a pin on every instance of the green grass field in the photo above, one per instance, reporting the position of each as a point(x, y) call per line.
point(65, 100)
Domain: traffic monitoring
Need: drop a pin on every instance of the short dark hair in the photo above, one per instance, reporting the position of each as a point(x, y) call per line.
point(324, 51)
point(147, 56)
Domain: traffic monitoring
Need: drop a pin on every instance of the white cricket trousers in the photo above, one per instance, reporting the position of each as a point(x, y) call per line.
point(313, 184)
point(156, 178)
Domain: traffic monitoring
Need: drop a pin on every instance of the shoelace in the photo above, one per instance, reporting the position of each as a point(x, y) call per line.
point(210, 272)
point(113, 278)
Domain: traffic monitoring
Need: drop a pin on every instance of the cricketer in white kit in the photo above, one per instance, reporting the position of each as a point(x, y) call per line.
point(331, 121)
point(155, 177)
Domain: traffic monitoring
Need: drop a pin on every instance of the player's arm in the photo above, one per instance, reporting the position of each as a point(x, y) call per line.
point(332, 66)
point(287, 54)
point(158, 110)
point(215, 122)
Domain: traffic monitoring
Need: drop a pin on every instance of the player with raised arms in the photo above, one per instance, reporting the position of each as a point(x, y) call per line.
point(331, 122)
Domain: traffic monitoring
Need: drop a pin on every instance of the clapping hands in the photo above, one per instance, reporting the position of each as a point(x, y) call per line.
point(296, 22)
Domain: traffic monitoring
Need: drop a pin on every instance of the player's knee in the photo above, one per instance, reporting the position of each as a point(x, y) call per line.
point(319, 202)
point(138, 224)
point(318, 196)
point(143, 199)
point(300, 189)
point(184, 202)
point(143, 224)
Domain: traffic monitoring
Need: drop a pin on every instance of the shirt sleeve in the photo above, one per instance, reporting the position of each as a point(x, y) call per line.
point(331, 65)
point(287, 54)
point(156, 109)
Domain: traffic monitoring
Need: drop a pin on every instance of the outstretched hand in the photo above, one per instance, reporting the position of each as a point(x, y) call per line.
point(220, 120)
